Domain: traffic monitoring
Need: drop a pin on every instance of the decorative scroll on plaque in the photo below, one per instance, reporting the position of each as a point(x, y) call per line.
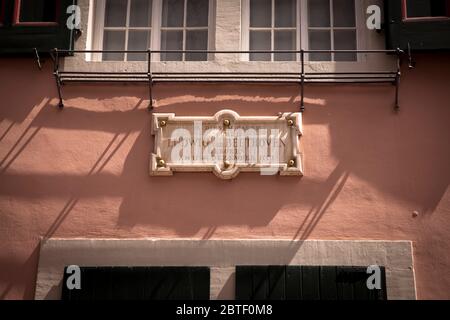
point(227, 144)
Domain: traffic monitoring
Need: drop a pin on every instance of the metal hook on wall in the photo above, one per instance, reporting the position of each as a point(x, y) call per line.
point(38, 59)
point(411, 62)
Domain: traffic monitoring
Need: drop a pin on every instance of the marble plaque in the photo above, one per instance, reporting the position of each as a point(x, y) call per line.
point(226, 144)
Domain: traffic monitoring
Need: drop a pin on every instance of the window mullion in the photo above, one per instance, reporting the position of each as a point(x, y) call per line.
point(272, 35)
point(183, 57)
point(150, 30)
point(332, 30)
point(210, 35)
point(127, 25)
point(298, 32)
point(99, 30)
point(156, 28)
point(304, 27)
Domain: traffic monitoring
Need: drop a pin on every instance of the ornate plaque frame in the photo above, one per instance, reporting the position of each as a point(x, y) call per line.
point(288, 124)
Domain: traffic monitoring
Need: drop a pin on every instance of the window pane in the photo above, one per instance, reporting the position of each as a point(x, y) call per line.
point(344, 13)
point(113, 40)
point(319, 13)
point(196, 40)
point(171, 40)
point(284, 40)
point(319, 40)
point(115, 13)
point(260, 13)
point(141, 13)
point(285, 13)
point(439, 8)
point(173, 13)
point(2, 13)
point(426, 8)
point(37, 11)
point(260, 40)
point(345, 40)
point(138, 40)
point(197, 13)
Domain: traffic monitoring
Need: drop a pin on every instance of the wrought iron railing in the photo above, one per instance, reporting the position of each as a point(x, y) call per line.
point(300, 77)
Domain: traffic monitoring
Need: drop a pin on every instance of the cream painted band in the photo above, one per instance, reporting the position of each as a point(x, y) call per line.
point(222, 256)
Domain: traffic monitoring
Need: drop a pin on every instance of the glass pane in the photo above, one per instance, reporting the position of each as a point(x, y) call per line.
point(260, 40)
point(113, 40)
point(345, 40)
point(172, 13)
point(140, 13)
point(171, 40)
point(115, 13)
point(285, 13)
point(344, 13)
point(1, 12)
point(284, 40)
point(37, 10)
point(426, 8)
point(319, 40)
point(197, 13)
point(196, 40)
point(319, 13)
point(440, 8)
point(2, 4)
point(260, 13)
point(138, 40)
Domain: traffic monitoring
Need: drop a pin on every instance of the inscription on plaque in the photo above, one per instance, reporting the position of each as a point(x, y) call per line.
point(227, 144)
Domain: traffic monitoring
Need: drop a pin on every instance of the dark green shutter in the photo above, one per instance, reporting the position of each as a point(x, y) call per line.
point(421, 35)
point(277, 282)
point(310, 282)
point(23, 38)
point(88, 275)
point(260, 283)
point(244, 283)
point(328, 286)
point(293, 283)
point(352, 284)
point(140, 283)
point(306, 283)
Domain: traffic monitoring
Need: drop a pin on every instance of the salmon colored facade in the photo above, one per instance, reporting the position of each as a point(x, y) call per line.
point(82, 172)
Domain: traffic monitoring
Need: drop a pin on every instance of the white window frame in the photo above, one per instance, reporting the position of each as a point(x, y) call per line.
point(184, 28)
point(303, 28)
point(246, 30)
point(155, 41)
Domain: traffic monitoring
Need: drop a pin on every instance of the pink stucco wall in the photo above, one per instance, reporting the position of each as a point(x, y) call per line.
point(83, 171)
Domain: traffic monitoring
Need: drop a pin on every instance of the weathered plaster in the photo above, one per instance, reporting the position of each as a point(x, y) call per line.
point(82, 172)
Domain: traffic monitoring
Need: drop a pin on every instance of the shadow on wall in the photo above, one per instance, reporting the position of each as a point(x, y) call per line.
point(405, 156)
point(16, 275)
point(367, 141)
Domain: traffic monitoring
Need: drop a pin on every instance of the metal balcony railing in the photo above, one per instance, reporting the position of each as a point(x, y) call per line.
point(299, 77)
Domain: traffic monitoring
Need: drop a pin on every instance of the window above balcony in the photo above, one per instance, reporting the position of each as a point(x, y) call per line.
point(231, 26)
point(29, 25)
point(418, 24)
point(302, 24)
point(156, 25)
point(426, 9)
